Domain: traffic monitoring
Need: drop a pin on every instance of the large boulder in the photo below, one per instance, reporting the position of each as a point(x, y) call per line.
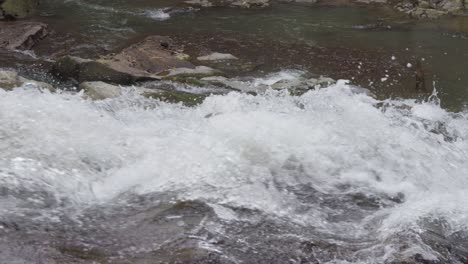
point(145, 60)
point(86, 70)
point(149, 57)
point(21, 35)
point(12, 9)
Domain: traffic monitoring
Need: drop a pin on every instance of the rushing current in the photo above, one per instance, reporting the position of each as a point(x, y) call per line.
point(331, 176)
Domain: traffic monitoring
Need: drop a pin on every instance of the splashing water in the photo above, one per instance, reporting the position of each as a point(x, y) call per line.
point(334, 160)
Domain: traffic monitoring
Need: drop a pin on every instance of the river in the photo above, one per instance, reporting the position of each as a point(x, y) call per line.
point(366, 170)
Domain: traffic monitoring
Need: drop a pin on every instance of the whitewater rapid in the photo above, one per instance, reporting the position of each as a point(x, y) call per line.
point(243, 151)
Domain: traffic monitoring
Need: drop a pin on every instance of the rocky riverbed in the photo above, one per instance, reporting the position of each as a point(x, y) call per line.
point(208, 131)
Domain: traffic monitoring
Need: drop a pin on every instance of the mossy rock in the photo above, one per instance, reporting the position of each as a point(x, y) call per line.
point(19, 8)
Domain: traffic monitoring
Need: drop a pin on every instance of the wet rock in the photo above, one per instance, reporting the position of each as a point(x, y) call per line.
point(233, 67)
point(197, 71)
point(21, 35)
point(216, 56)
point(142, 61)
point(232, 3)
point(100, 90)
point(431, 8)
point(12, 9)
point(189, 76)
point(300, 85)
point(85, 70)
point(200, 3)
point(321, 82)
point(220, 81)
point(10, 80)
point(172, 96)
point(300, 1)
point(148, 58)
point(427, 13)
point(35, 84)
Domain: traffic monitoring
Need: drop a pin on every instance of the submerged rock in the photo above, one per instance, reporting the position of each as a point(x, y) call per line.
point(197, 71)
point(216, 56)
point(173, 96)
point(142, 61)
point(35, 84)
point(100, 90)
point(228, 63)
point(10, 80)
point(21, 35)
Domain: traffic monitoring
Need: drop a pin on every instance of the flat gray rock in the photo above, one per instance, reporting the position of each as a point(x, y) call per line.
point(21, 35)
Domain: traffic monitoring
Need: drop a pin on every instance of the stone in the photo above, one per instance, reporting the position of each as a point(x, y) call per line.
point(189, 76)
point(35, 84)
point(85, 70)
point(427, 13)
point(142, 61)
point(10, 80)
point(100, 90)
point(172, 96)
point(201, 3)
point(231, 3)
point(216, 56)
point(324, 81)
point(148, 58)
point(301, 1)
point(13, 9)
point(21, 35)
point(454, 6)
point(197, 71)
point(221, 81)
point(431, 9)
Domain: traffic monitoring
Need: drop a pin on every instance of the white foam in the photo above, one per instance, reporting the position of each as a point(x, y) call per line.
point(157, 14)
point(234, 149)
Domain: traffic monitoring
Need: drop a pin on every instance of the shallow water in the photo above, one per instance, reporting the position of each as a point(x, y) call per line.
point(341, 174)
point(369, 45)
point(332, 176)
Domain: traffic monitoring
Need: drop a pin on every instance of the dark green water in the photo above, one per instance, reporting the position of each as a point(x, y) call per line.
point(365, 40)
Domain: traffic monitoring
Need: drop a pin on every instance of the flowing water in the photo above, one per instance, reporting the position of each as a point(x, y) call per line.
point(366, 45)
point(336, 175)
